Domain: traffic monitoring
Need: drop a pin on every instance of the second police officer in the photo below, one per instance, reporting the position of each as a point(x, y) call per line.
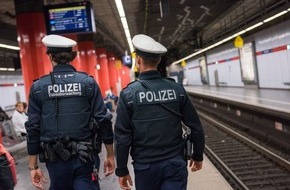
point(62, 105)
point(149, 125)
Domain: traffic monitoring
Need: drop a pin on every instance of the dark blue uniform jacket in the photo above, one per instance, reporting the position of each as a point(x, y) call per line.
point(151, 131)
point(79, 100)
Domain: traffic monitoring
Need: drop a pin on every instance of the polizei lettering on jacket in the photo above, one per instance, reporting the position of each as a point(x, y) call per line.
point(64, 90)
point(156, 96)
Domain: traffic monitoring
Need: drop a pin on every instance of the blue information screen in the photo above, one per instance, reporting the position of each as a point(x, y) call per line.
point(69, 19)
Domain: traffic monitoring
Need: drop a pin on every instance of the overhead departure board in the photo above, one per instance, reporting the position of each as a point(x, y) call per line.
point(69, 18)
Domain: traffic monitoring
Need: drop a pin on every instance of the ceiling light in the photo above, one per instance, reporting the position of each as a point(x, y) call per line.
point(6, 69)
point(9, 47)
point(120, 8)
point(127, 33)
point(124, 23)
point(239, 33)
point(161, 9)
point(276, 15)
point(254, 26)
point(227, 39)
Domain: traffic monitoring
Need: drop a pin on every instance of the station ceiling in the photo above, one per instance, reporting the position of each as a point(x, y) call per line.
point(183, 26)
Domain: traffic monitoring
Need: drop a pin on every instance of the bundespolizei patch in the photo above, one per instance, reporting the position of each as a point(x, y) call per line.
point(156, 96)
point(64, 90)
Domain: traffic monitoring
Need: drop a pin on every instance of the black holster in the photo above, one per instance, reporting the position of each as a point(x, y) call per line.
point(84, 150)
point(96, 137)
point(188, 148)
point(47, 153)
point(97, 143)
point(51, 151)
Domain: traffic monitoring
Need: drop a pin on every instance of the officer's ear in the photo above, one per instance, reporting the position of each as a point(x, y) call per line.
point(138, 59)
point(51, 59)
point(73, 55)
point(50, 56)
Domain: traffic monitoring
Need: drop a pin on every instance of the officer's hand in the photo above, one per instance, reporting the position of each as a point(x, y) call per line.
point(37, 178)
point(109, 165)
point(195, 165)
point(123, 181)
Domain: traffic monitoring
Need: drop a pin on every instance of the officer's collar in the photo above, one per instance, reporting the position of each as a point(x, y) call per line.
point(63, 67)
point(149, 75)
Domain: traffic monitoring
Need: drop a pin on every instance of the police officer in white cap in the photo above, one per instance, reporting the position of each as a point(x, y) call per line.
point(149, 124)
point(61, 108)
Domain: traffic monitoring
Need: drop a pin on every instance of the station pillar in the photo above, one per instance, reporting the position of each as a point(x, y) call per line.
point(87, 54)
point(125, 76)
point(118, 67)
point(103, 72)
point(113, 72)
point(31, 29)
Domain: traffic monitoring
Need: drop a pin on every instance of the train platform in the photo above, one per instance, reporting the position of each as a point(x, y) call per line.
point(270, 99)
point(205, 179)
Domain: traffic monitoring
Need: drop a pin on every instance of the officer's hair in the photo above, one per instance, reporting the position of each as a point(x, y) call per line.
point(63, 57)
point(151, 61)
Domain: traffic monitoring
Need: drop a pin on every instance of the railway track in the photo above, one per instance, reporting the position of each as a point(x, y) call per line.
point(244, 163)
point(264, 126)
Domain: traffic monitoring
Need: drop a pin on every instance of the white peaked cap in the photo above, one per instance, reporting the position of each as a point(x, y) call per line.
point(57, 41)
point(147, 44)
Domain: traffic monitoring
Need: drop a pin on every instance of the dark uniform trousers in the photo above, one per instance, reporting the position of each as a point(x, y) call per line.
point(169, 174)
point(77, 174)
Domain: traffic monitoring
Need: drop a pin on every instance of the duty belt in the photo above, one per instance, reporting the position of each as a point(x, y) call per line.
point(64, 150)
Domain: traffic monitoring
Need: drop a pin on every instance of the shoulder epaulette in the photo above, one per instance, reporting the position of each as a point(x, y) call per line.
point(171, 79)
point(132, 82)
point(40, 77)
point(82, 72)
